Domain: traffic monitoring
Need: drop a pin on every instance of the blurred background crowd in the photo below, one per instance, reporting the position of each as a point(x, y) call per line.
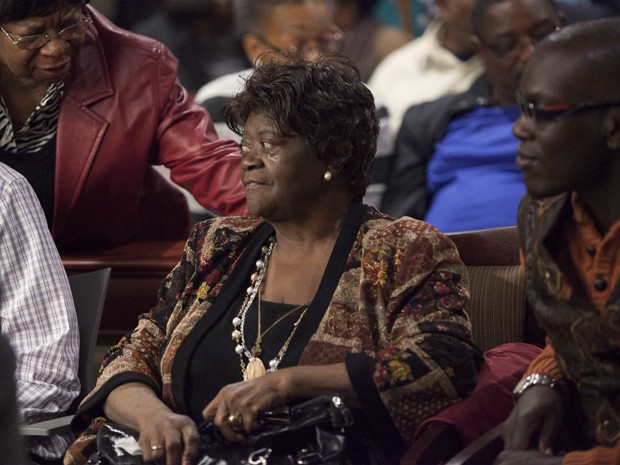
point(392, 43)
point(206, 25)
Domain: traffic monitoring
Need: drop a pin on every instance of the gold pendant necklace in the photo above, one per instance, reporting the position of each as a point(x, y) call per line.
point(255, 366)
point(254, 369)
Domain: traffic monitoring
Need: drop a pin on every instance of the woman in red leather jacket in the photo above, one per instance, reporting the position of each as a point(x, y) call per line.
point(87, 109)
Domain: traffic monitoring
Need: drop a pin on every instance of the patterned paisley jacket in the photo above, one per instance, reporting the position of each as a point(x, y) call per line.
point(390, 305)
point(584, 340)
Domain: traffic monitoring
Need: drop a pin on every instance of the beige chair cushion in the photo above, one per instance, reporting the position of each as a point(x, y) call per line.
point(497, 307)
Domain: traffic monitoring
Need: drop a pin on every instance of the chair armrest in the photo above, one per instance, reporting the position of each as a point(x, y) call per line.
point(60, 425)
point(435, 444)
point(483, 450)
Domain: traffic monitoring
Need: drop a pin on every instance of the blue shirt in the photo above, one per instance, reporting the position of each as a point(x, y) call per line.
point(472, 177)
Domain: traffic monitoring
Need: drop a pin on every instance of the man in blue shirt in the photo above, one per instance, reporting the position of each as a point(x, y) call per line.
point(454, 160)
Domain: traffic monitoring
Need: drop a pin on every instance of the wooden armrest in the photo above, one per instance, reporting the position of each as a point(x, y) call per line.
point(60, 425)
point(141, 257)
point(495, 246)
point(481, 451)
point(436, 444)
point(138, 269)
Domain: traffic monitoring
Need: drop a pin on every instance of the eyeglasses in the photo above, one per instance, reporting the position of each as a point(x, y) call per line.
point(511, 48)
point(34, 41)
point(330, 43)
point(550, 112)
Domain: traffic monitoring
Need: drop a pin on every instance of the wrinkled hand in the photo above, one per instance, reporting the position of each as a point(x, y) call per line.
point(539, 409)
point(247, 398)
point(177, 433)
point(528, 457)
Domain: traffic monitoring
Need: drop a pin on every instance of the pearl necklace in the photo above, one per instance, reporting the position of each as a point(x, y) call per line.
point(255, 366)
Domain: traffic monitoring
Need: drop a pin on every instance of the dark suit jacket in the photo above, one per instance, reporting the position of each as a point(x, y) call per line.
point(423, 126)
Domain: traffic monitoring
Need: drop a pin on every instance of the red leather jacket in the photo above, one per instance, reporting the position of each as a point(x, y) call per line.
point(124, 110)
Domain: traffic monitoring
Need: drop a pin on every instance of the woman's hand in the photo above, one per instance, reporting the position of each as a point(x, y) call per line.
point(539, 408)
point(166, 438)
point(245, 400)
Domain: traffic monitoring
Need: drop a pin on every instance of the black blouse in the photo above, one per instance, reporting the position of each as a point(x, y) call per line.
point(39, 169)
point(215, 353)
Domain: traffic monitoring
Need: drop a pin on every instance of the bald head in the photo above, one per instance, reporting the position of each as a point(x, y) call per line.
point(593, 46)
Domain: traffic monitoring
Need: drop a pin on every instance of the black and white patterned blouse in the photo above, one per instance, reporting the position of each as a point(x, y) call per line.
point(40, 127)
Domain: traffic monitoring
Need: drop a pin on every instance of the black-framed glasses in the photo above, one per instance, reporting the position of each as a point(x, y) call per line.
point(330, 43)
point(35, 41)
point(510, 47)
point(550, 112)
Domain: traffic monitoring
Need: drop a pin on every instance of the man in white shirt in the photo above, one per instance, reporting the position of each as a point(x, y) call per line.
point(438, 63)
point(37, 314)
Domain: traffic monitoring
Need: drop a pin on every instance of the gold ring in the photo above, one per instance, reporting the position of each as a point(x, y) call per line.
point(158, 447)
point(235, 421)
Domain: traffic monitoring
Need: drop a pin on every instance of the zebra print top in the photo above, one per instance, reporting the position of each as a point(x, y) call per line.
point(40, 127)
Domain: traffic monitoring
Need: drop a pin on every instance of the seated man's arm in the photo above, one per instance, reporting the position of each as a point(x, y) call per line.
point(36, 308)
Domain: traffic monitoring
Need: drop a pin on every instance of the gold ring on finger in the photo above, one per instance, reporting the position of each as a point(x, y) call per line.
point(235, 421)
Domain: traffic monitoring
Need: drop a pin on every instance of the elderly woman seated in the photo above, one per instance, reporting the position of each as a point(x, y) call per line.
point(315, 294)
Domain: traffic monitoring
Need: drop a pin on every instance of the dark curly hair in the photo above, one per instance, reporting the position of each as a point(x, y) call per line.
point(325, 102)
point(16, 10)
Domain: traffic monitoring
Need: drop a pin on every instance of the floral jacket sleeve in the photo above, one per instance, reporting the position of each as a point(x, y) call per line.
point(408, 351)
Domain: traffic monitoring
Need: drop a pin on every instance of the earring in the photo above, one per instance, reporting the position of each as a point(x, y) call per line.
point(327, 176)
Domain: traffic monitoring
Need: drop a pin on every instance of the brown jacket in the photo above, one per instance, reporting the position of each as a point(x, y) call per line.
point(390, 306)
point(583, 339)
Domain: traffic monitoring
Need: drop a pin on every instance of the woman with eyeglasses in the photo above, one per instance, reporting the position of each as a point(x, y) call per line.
point(86, 110)
point(290, 29)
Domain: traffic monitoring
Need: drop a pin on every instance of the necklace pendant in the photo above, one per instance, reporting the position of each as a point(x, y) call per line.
point(255, 369)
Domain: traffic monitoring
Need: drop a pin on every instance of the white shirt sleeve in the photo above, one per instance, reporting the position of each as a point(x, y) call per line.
point(37, 314)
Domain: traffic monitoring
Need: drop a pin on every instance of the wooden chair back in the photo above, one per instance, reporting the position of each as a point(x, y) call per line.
point(498, 306)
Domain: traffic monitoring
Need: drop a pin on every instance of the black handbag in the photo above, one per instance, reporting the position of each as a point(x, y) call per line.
point(312, 432)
